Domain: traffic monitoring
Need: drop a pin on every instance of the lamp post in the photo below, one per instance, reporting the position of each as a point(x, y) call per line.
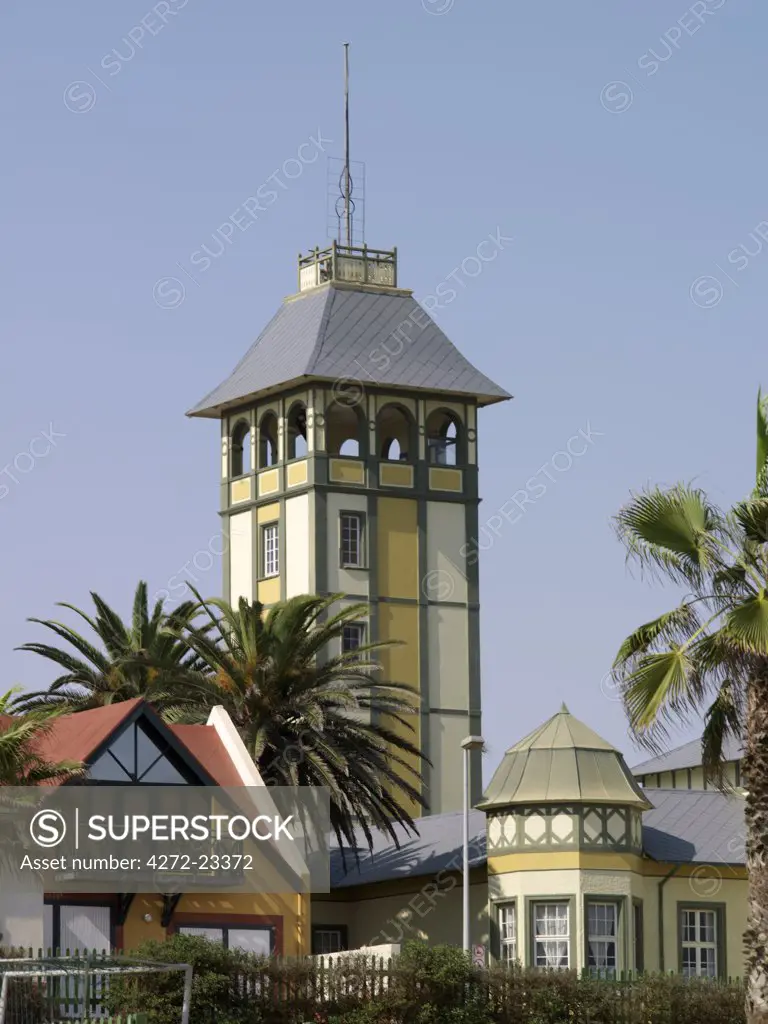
point(468, 745)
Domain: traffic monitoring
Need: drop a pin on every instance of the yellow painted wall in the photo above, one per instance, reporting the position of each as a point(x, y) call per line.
point(294, 908)
point(401, 664)
point(398, 548)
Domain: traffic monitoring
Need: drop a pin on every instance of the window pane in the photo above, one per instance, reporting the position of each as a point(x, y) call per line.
point(252, 940)
point(106, 769)
point(271, 553)
point(85, 928)
point(708, 962)
point(552, 954)
point(326, 940)
point(707, 926)
point(351, 536)
point(551, 919)
point(352, 637)
point(508, 933)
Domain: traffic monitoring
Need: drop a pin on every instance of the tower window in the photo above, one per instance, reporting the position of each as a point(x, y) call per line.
point(352, 637)
point(397, 434)
point(297, 431)
point(344, 430)
point(241, 449)
point(443, 439)
point(270, 550)
point(351, 530)
point(268, 440)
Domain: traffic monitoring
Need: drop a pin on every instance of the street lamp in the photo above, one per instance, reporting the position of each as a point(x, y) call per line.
point(468, 745)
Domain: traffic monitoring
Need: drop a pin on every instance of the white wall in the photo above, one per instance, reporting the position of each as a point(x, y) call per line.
point(297, 527)
point(240, 557)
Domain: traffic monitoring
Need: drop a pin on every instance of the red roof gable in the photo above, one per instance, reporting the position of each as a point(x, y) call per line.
point(76, 737)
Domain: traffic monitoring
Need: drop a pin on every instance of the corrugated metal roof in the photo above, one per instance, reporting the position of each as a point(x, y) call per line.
point(683, 826)
point(690, 825)
point(438, 847)
point(686, 756)
point(563, 761)
point(334, 332)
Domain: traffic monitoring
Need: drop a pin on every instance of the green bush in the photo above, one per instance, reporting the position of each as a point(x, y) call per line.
point(425, 985)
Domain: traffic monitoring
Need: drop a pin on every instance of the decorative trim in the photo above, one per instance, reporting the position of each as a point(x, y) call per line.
point(395, 474)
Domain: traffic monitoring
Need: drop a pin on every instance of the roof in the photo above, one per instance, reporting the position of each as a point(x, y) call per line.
point(683, 826)
point(335, 332)
point(563, 761)
point(77, 737)
point(438, 847)
point(687, 756)
point(692, 825)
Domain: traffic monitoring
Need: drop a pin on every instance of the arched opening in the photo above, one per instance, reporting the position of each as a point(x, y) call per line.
point(396, 434)
point(241, 449)
point(268, 440)
point(345, 431)
point(297, 431)
point(444, 438)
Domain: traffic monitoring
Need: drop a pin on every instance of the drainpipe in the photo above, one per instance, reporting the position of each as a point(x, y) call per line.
point(662, 883)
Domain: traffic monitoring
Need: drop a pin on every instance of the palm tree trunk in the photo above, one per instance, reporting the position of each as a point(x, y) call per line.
point(756, 814)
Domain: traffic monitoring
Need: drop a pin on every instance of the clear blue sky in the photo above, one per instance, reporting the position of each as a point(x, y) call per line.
point(482, 116)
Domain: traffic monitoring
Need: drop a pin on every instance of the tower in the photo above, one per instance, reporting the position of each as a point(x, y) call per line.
point(349, 465)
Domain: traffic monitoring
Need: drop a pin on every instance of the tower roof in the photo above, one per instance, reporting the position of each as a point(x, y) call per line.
point(340, 331)
point(563, 761)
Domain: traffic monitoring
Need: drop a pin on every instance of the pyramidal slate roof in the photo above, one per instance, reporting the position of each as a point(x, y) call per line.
point(563, 761)
point(338, 332)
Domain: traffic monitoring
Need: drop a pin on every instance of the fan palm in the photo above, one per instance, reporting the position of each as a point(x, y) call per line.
point(710, 653)
point(309, 716)
point(143, 658)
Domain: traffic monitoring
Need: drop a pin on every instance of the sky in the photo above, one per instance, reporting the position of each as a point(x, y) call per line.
point(616, 151)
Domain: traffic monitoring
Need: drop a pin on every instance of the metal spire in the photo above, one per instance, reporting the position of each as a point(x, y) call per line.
point(345, 204)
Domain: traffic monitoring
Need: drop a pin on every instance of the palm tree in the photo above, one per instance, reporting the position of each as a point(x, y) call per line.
point(308, 716)
point(710, 653)
point(141, 659)
point(21, 763)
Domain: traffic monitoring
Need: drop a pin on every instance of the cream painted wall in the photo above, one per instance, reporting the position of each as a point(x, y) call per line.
point(446, 535)
point(446, 774)
point(448, 657)
point(297, 527)
point(21, 915)
point(703, 889)
point(240, 557)
point(430, 913)
point(344, 581)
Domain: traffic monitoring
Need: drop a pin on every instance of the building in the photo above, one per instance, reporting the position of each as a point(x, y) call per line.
point(572, 865)
point(128, 744)
point(349, 465)
point(681, 768)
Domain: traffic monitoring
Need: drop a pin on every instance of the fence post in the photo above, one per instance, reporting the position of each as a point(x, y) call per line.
point(187, 1003)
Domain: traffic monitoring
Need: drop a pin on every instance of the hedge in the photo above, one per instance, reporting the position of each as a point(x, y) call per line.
point(424, 985)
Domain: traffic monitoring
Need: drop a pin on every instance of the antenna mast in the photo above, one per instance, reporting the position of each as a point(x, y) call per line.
point(346, 177)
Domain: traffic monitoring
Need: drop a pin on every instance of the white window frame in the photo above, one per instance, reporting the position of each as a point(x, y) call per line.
point(360, 632)
point(694, 917)
point(506, 919)
point(545, 938)
point(357, 541)
point(270, 550)
point(603, 938)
